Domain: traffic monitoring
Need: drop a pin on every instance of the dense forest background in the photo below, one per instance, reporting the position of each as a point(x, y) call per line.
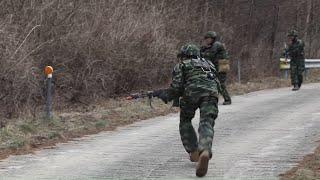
point(110, 47)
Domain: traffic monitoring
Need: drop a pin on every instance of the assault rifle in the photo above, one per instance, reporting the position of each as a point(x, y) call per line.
point(161, 94)
point(148, 94)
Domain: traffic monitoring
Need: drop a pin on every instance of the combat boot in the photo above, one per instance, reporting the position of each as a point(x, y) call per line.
point(227, 102)
point(295, 87)
point(194, 156)
point(202, 166)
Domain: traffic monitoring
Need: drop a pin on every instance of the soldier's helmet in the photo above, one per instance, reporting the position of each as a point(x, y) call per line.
point(210, 34)
point(189, 50)
point(293, 33)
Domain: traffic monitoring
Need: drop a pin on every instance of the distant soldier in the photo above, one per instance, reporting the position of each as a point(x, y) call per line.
point(194, 81)
point(295, 51)
point(216, 52)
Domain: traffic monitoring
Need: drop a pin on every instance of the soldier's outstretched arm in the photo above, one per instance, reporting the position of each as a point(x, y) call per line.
point(176, 88)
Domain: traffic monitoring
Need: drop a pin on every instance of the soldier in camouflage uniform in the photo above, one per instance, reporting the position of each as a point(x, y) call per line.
point(214, 51)
point(295, 52)
point(194, 81)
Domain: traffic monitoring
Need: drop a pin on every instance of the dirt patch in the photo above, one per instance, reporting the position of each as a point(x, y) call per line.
point(308, 168)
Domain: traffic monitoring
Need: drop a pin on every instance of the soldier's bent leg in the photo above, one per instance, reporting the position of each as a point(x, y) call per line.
point(187, 132)
point(300, 77)
point(224, 92)
point(301, 69)
point(208, 114)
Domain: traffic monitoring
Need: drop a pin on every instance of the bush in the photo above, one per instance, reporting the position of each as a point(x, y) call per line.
point(27, 128)
point(101, 124)
point(17, 143)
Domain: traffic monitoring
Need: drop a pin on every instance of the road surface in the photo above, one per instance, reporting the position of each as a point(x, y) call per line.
point(260, 136)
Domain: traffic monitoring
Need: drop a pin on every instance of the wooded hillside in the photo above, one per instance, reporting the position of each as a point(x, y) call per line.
point(110, 47)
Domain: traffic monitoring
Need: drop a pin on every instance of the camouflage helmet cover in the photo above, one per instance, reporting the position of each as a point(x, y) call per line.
point(210, 34)
point(189, 50)
point(293, 33)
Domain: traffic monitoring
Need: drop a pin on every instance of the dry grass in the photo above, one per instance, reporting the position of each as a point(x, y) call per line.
point(256, 85)
point(24, 135)
point(308, 168)
point(111, 47)
point(313, 76)
point(105, 48)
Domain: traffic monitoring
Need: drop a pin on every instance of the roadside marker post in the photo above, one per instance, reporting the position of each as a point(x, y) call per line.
point(239, 71)
point(48, 71)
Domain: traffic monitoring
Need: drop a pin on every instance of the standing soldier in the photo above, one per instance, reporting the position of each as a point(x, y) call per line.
point(215, 51)
point(295, 51)
point(194, 81)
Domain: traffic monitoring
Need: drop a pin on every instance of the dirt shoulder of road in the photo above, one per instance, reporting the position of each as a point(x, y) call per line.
point(308, 168)
point(25, 135)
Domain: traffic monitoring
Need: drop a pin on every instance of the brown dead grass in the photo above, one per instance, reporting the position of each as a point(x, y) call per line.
point(308, 168)
point(22, 136)
point(257, 84)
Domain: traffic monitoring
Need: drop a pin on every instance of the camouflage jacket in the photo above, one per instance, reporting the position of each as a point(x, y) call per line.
point(296, 50)
point(193, 78)
point(214, 52)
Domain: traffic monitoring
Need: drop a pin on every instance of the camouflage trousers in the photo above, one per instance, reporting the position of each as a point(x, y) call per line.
point(222, 76)
point(208, 113)
point(297, 68)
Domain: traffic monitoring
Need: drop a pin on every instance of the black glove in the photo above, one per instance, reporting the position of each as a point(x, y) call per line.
point(161, 94)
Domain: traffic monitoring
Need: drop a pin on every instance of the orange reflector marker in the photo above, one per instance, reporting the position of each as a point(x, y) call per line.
point(129, 98)
point(48, 70)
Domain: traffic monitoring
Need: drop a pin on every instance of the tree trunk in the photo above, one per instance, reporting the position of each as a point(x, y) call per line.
point(206, 9)
point(274, 29)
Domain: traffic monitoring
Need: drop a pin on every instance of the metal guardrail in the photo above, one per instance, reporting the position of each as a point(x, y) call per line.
point(309, 64)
